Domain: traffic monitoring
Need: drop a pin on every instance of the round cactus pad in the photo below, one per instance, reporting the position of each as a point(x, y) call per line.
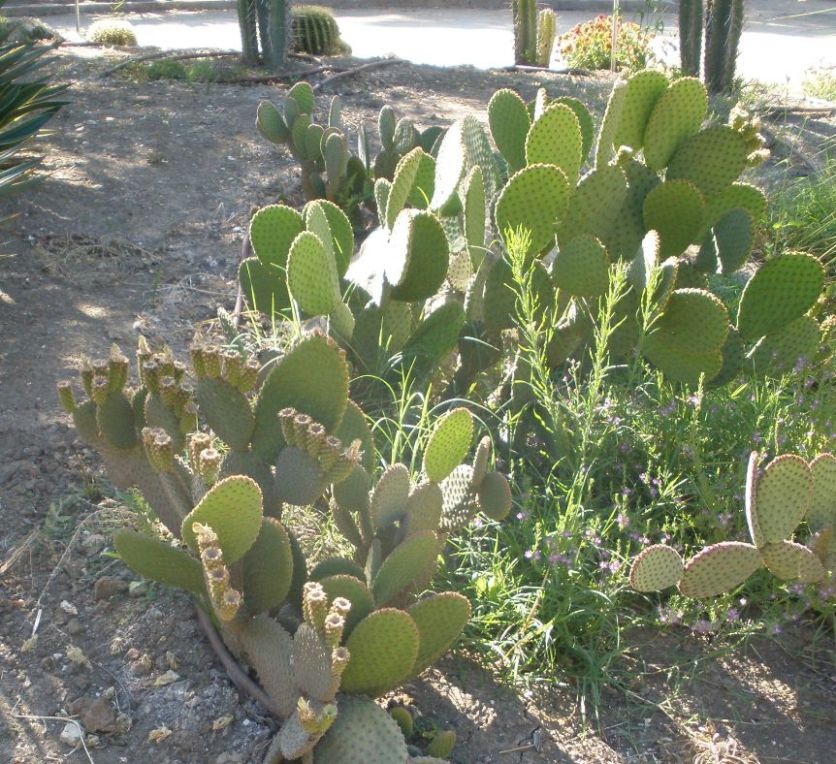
point(641, 94)
point(584, 122)
point(390, 496)
point(383, 647)
point(408, 563)
point(459, 501)
point(582, 267)
point(263, 286)
point(494, 494)
point(677, 113)
point(555, 139)
point(783, 289)
point(783, 493)
point(679, 365)
point(694, 320)
point(363, 733)
point(341, 232)
point(440, 619)
point(675, 209)
point(355, 591)
point(711, 159)
point(718, 569)
point(793, 562)
point(312, 275)
point(656, 568)
point(423, 510)
point(596, 204)
point(741, 196)
point(509, 122)
point(272, 231)
point(270, 123)
point(732, 238)
point(418, 256)
point(268, 568)
point(534, 199)
point(790, 347)
point(154, 559)
point(448, 444)
point(822, 510)
point(609, 124)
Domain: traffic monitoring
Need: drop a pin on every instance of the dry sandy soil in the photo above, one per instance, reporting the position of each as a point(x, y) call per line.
point(138, 229)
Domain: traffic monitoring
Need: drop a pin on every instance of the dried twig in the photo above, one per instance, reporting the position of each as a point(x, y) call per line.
point(357, 69)
point(169, 56)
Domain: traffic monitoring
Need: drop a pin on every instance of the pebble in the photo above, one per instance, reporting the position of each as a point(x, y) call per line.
point(71, 734)
point(108, 586)
point(137, 588)
point(75, 627)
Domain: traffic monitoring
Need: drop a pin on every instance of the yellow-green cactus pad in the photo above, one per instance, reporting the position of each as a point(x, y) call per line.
point(646, 261)
point(355, 591)
point(302, 92)
point(390, 497)
point(424, 185)
point(711, 159)
point(157, 560)
point(363, 733)
point(790, 347)
point(509, 122)
point(383, 647)
point(440, 619)
point(719, 569)
point(423, 510)
point(751, 501)
point(312, 275)
point(272, 231)
point(226, 410)
point(494, 495)
point(352, 494)
point(822, 510)
point(675, 209)
point(734, 356)
point(694, 320)
point(680, 365)
point(582, 267)
point(555, 139)
point(335, 566)
point(231, 508)
point(595, 205)
point(475, 215)
point(268, 568)
point(793, 562)
point(342, 232)
point(448, 444)
point(783, 493)
point(782, 289)
point(263, 286)
point(115, 420)
point(480, 460)
point(534, 199)
point(609, 124)
point(641, 94)
point(418, 257)
point(584, 122)
point(355, 427)
point(731, 239)
point(402, 183)
point(459, 498)
point(299, 479)
point(627, 230)
point(436, 335)
point(677, 114)
point(656, 568)
point(449, 167)
point(312, 664)
point(408, 563)
point(737, 196)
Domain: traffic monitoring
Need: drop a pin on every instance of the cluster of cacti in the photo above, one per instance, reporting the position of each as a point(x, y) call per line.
point(723, 23)
point(315, 31)
point(778, 498)
point(534, 33)
point(290, 437)
point(265, 26)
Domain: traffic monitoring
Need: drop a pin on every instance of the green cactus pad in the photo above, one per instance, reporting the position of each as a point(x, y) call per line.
point(677, 114)
point(793, 562)
point(679, 365)
point(737, 196)
point(494, 495)
point(355, 591)
point(405, 174)
point(268, 568)
point(822, 509)
point(363, 733)
point(555, 139)
point(157, 414)
point(336, 566)
point(782, 289)
point(157, 560)
point(269, 650)
point(303, 94)
point(84, 421)
point(390, 496)
point(263, 286)
point(313, 379)
point(423, 509)
point(382, 189)
point(641, 94)
point(316, 222)
point(656, 568)
point(115, 420)
point(480, 460)
point(312, 275)
point(711, 159)
point(595, 205)
point(645, 262)
point(732, 238)
point(312, 664)
point(475, 212)
point(509, 122)
point(675, 209)
point(418, 256)
point(459, 498)
point(718, 569)
point(584, 122)
point(272, 231)
point(226, 410)
point(355, 427)
point(440, 619)
point(436, 335)
point(232, 508)
point(412, 562)
point(609, 124)
point(535, 199)
point(734, 356)
point(782, 496)
point(270, 123)
point(299, 479)
point(582, 267)
point(383, 647)
point(341, 232)
point(785, 349)
point(448, 444)
point(627, 230)
point(249, 464)
point(694, 320)
point(479, 152)
point(751, 501)
point(449, 167)
point(424, 185)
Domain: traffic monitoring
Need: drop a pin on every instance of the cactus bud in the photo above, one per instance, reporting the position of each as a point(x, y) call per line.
point(314, 438)
point(300, 428)
point(314, 605)
point(159, 447)
point(333, 629)
point(118, 367)
point(101, 368)
point(188, 417)
point(65, 394)
point(212, 361)
point(178, 370)
point(150, 375)
point(198, 442)
point(249, 375)
point(196, 353)
point(231, 367)
point(87, 378)
point(208, 465)
point(286, 420)
point(100, 389)
point(143, 352)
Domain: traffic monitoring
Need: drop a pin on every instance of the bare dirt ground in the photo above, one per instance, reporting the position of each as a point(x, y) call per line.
point(138, 229)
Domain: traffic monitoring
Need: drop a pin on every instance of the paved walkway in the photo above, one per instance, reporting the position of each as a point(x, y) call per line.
point(777, 47)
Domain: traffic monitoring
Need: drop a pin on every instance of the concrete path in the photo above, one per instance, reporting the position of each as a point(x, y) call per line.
point(778, 47)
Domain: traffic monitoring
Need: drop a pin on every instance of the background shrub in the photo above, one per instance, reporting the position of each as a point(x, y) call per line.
point(112, 32)
point(589, 45)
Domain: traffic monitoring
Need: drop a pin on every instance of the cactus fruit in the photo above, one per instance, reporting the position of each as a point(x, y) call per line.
point(656, 568)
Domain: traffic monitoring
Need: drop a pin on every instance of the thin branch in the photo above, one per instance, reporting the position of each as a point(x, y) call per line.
point(168, 55)
point(357, 69)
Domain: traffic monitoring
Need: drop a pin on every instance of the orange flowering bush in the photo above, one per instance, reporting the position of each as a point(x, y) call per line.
point(589, 45)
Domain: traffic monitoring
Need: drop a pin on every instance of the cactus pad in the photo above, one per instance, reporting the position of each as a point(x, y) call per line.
point(459, 500)
point(436, 335)
point(582, 267)
point(423, 510)
point(675, 209)
point(383, 647)
point(782, 496)
point(440, 620)
point(355, 427)
point(781, 351)
point(363, 733)
point(263, 286)
point(595, 204)
point(299, 479)
point(793, 562)
point(555, 139)
point(494, 494)
point(732, 239)
point(475, 210)
point(584, 122)
point(418, 256)
point(448, 444)
point(269, 649)
point(355, 591)
point(402, 183)
point(823, 504)
point(408, 563)
point(268, 568)
point(272, 231)
point(154, 559)
point(449, 167)
point(737, 196)
point(390, 496)
point(718, 569)
point(535, 198)
point(656, 568)
point(782, 289)
point(712, 159)
point(226, 411)
point(232, 508)
point(509, 122)
point(677, 114)
point(312, 275)
point(680, 365)
point(641, 94)
point(609, 124)
point(694, 320)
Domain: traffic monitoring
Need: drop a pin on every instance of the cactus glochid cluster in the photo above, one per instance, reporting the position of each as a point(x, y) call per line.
point(778, 498)
point(346, 627)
